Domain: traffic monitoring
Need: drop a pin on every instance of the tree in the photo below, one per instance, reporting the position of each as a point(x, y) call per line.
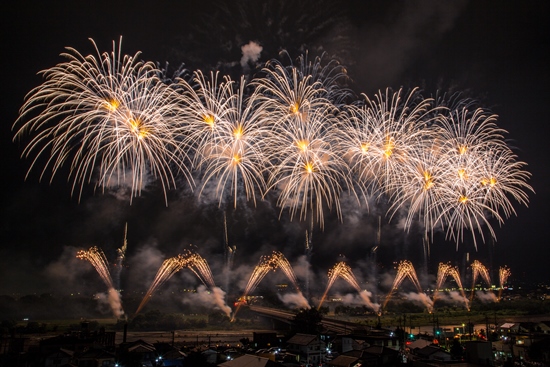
point(307, 321)
point(456, 349)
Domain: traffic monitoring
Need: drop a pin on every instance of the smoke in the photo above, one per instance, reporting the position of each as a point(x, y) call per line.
point(420, 298)
point(453, 297)
point(144, 264)
point(390, 47)
point(251, 54)
point(112, 300)
point(67, 272)
point(486, 297)
point(294, 300)
point(214, 298)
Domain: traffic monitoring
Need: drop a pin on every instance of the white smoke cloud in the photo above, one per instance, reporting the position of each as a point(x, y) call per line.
point(67, 271)
point(251, 54)
point(214, 298)
point(296, 300)
point(420, 298)
point(112, 300)
point(486, 297)
point(453, 297)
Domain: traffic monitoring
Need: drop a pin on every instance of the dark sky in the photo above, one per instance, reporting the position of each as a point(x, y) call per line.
point(493, 51)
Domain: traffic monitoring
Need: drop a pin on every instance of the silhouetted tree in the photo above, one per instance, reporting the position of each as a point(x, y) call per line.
point(307, 321)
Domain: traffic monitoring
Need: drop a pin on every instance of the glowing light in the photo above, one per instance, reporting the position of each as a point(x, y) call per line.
point(209, 120)
point(112, 105)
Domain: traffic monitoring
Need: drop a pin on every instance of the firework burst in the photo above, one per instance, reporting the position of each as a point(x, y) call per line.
point(108, 117)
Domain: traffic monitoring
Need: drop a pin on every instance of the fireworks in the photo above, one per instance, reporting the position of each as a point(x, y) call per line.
point(444, 271)
point(268, 263)
point(342, 270)
point(405, 269)
point(289, 134)
point(196, 263)
point(97, 258)
point(108, 117)
point(477, 270)
point(503, 275)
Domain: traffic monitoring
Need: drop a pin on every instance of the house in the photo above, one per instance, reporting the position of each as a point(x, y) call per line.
point(384, 356)
point(138, 351)
point(509, 328)
point(94, 358)
point(310, 348)
point(60, 358)
point(344, 361)
point(434, 353)
point(249, 360)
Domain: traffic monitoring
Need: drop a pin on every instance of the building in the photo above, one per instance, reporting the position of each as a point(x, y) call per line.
point(309, 348)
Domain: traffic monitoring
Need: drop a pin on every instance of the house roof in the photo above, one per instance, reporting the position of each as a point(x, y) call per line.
point(302, 339)
point(429, 350)
point(248, 360)
point(343, 361)
point(420, 343)
point(507, 325)
point(379, 350)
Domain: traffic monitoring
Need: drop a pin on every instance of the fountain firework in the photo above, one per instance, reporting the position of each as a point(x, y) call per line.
point(503, 275)
point(405, 269)
point(168, 268)
point(97, 258)
point(288, 134)
point(342, 270)
point(270, 263)
point(197, 264)
point(443, 272)
point(477, 270)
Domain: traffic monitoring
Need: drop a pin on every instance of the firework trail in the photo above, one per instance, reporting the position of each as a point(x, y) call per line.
point(121, 255)
point(443, 272)
point(503, 275)
point(477, 270)
point(405, 269)
point(107, 116)
point(229, 253)
point(97, 258)
point(308, 250)
point(342, 270)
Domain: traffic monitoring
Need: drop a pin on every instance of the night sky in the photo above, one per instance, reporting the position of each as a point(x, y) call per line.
point(493, 51)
